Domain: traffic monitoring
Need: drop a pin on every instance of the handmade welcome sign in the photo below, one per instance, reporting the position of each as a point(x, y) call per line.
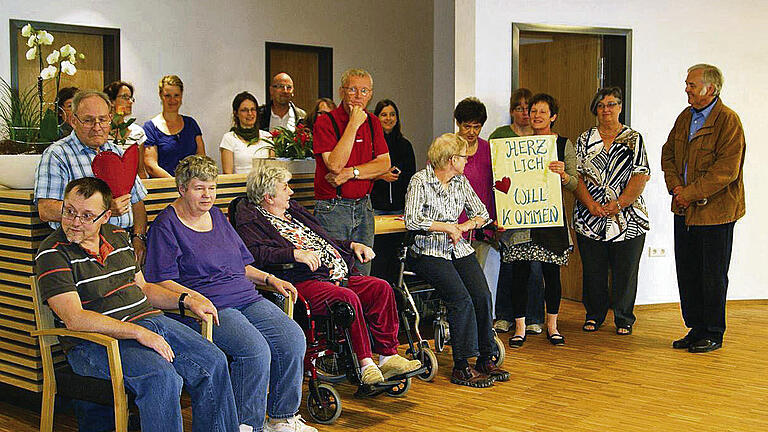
point(527, 192)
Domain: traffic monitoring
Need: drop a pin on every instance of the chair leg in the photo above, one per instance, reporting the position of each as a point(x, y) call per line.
point(47, 411)
point(121, 420)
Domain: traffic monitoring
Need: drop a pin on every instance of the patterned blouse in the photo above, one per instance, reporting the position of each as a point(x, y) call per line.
point(606, 174)
point(304, 238)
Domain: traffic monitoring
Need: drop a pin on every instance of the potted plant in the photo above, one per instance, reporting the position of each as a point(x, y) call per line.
point(29, 124)
point(294, 148)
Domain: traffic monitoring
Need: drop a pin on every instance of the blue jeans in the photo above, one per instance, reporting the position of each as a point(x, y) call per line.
point(348, 219)
point(535, 286)
point(157, 383)
point(267, 350)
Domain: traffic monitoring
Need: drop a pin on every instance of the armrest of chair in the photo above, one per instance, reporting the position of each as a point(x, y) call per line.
point(206, 325)
point(97, 338)
point(113, 359)
point(287, 303)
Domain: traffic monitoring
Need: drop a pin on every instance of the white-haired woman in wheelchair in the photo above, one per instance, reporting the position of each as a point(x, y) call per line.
point(278, 230)
point(436, 196)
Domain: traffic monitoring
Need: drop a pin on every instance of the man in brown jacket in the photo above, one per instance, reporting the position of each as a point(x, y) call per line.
point(703, 162)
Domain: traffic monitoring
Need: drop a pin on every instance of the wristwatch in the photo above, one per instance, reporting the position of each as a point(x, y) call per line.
point(355, 172)
point(142, 237)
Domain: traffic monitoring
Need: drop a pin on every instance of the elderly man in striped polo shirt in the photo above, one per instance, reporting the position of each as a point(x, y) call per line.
point(87, 273)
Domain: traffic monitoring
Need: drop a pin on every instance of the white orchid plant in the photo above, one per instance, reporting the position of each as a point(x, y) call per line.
point(58, 61)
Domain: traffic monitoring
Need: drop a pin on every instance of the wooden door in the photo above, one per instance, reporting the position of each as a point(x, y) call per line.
point(566, 67)
point(302, 66)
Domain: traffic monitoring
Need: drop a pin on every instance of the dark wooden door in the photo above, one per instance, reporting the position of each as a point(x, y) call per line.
point(565, 66)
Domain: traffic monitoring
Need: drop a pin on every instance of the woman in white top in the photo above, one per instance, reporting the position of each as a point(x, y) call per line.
point(121, 95)
point(244, 141)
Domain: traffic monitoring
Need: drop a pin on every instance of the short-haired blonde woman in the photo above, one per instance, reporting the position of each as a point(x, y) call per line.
point(193, 250)
point(170, 136)
point(278, 230)
point(436, 196)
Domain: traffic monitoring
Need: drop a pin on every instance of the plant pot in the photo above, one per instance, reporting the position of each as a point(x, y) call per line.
point(294, 166)
point(18, 171)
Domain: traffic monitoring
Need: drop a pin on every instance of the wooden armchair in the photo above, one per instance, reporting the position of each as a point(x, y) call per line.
point(77, 386)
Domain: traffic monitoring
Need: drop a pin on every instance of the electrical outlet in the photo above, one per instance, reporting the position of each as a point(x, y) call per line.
point(655, 252)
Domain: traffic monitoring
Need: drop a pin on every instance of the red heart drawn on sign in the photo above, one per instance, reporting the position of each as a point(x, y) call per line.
point(503, 184)
point(118, 172)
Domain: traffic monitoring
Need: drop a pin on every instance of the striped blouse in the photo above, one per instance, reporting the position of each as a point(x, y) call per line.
point(427, 201)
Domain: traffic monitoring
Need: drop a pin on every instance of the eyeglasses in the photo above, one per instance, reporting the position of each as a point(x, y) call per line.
point(354, 90)
point(70, 214)
point(610, 105)
point(91, 122)
point(285, 87)
point(520, 109)
point(247, 110)
point(465, 157)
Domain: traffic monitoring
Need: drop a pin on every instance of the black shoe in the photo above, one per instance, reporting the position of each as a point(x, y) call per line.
point(556, 339)
point(683, 343)
point(516, 341)
point(704, 345)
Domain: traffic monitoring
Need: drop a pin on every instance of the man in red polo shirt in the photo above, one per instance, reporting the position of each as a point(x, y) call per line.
point(350, 152)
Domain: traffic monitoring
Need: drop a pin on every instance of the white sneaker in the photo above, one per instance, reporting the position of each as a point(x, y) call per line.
point(502, 326)
point(293, 424)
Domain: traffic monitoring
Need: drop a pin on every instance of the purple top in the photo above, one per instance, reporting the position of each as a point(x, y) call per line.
point(173, 148)
point(211, 263)
point(479, 172)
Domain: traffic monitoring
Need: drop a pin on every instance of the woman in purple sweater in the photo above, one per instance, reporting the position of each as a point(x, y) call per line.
point(192, 249)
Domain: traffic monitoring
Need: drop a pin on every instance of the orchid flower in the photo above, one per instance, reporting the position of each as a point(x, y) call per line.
point(27, 30)
point(52, 57)
point(68, 68)
point(49, 72)
point(31, 53)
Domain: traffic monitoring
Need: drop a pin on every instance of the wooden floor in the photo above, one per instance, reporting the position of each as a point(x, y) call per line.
point(598, 381)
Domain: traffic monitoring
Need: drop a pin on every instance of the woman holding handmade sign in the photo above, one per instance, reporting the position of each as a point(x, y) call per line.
point(551, 246)
point(610, 218)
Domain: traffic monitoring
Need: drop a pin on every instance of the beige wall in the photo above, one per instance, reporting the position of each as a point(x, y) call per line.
point(218, 49)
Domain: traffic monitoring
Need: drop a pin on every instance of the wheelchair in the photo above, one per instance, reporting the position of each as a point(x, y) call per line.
point(442, 333)
point(330, 359)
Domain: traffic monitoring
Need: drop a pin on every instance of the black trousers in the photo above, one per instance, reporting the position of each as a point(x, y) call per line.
point(516, 277)
point(461, 284)
point(702, 258)
point(623, 260)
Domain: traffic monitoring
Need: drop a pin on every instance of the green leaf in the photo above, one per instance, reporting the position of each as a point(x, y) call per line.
point(49, 126)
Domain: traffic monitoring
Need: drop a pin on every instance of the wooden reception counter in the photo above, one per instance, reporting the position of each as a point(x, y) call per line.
point(21, 232)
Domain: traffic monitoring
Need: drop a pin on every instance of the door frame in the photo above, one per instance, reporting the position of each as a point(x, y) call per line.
point(110, 45)
point(324, 66)
point(627, 33)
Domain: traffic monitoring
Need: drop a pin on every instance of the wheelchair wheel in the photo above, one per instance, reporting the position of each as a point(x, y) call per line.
point(501, 352)
point(441, 335)
point(430, 361)
point(400, 389)
point(328, 408)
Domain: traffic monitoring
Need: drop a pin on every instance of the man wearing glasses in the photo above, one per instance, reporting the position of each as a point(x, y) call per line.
point(350, 153)
point(88, 275)
point(280, 110)
point(70, 158)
